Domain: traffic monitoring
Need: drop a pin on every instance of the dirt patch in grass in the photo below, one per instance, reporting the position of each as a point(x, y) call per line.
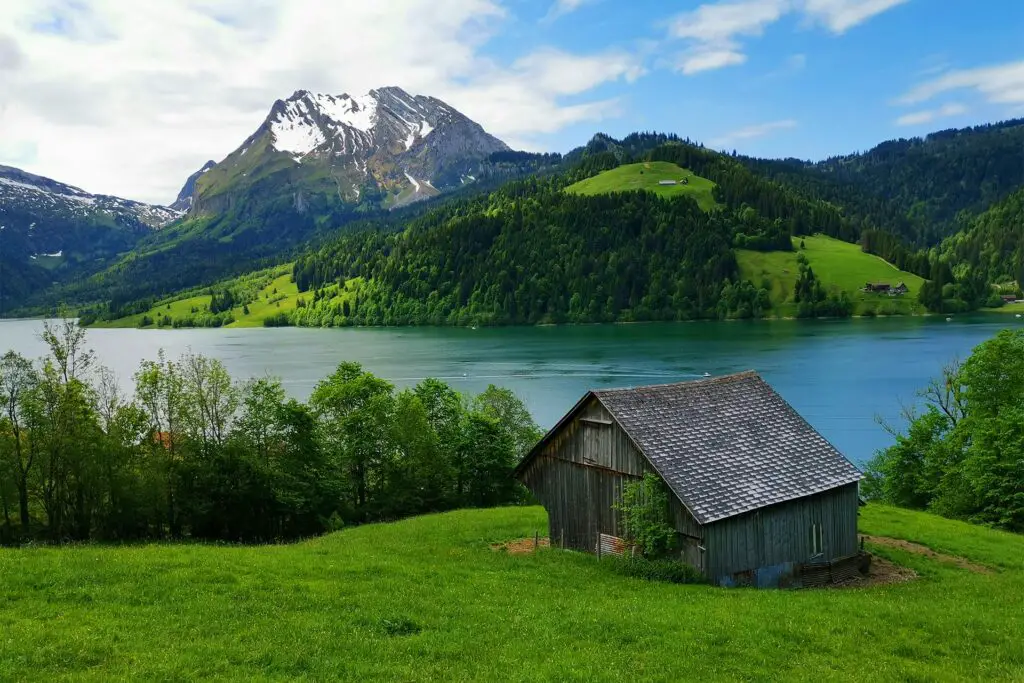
point(918, 549)
point(522, 545)
point(881, 572)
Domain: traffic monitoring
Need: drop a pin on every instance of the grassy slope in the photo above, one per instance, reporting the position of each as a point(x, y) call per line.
point(645, 176)
point(426, 599)
point(840, 266)
point(267, 303)
point(279, 295)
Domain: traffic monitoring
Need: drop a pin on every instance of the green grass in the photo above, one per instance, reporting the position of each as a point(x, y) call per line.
point(646, 176)
point(1012, 309)
point(840, 266)
point(274, 293)
point(427, 599)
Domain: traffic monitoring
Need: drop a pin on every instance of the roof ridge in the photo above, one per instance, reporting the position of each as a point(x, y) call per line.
point(723, 379)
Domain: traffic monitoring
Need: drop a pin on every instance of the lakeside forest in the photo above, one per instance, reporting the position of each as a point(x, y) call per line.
point(195, 454)
point(579, 243)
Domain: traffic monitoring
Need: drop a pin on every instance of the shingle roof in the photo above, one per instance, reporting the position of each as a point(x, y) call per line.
point(728, 445)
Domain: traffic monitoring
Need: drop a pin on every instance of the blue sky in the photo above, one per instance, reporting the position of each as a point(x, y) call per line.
point(129, 98)
point(826, 92)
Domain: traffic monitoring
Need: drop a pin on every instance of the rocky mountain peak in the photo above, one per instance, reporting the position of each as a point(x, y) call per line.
point(386, 145)
point(188, 190)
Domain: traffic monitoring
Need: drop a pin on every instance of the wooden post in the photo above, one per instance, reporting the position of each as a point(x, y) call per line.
point(536, 539)
point(561, 538)
point(598, 545)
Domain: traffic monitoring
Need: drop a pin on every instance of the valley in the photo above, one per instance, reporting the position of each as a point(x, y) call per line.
point(547, 340)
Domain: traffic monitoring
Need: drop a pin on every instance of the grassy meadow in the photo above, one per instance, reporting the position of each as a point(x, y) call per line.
point(840, 266)
point(646, 176)
point(429, 599)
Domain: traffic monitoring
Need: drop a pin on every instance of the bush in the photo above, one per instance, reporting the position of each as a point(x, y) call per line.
point(645, 516)
point(639, 567)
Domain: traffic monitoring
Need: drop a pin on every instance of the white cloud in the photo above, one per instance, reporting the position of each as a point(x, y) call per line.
point(562, 7)
point(708, 60)
point(129, 98)
point(751, 132)
point(714, 29)
point(840, 16)
point(928, 115)
point(999, 84)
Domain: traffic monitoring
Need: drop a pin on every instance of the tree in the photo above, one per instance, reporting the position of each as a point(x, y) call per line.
point(512, 416)
point(963, 457)
point(18, 379)
point(354, 409)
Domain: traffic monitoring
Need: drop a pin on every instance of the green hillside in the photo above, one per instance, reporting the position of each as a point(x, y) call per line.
point(258, 296)
point(841, 267)
point(429, 599)
point(647, 176)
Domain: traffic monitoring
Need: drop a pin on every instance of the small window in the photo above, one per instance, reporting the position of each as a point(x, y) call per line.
point(816, 540)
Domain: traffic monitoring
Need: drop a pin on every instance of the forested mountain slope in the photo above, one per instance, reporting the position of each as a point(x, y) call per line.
point(922, 189)
point(994, 243)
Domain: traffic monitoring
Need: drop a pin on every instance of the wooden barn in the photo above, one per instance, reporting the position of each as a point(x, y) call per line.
point(758, 497)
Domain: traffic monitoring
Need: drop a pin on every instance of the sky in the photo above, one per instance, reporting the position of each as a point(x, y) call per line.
point(128, 98)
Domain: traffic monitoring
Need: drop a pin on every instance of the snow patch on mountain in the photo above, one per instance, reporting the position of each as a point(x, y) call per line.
point(358, 112)
point(415, 185)
point(42, 194)
point(296, 136)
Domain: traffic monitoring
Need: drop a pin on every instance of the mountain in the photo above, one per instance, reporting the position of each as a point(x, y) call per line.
point(922, 189)
point(317, 166)
point(386, 148)
point(184, 201)
point(52, 231)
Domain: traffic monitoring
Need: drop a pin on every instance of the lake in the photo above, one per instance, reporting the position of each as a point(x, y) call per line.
point(840, 375)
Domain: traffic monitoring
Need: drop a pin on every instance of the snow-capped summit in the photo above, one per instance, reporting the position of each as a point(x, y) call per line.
point(50, 231)
point(385, 144)
point(29, 194)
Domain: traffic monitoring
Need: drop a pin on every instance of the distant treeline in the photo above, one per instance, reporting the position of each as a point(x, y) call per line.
point(194, 454)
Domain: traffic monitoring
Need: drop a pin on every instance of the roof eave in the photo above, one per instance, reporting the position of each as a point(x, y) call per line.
point(714, 520)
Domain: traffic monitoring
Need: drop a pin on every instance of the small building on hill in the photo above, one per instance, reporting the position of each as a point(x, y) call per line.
point(877, 287)
point(667, 182)
point(757, 496)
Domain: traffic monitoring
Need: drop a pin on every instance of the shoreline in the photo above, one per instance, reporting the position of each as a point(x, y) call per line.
point(979, 312)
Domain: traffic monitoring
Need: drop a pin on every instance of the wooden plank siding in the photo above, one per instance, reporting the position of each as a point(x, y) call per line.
point(782, 533)
point(580, 474)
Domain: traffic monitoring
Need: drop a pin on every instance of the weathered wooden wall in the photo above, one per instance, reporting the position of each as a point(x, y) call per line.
point(782, 533)
point(579, 476)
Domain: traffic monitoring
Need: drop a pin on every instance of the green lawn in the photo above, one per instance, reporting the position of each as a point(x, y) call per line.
point(427, 599)
point(646, 176)
point(840, 266)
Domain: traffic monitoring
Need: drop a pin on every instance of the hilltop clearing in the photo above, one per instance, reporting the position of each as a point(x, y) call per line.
point(650, 176)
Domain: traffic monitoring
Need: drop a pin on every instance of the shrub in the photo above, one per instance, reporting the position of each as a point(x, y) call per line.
point(638, 567)
point(644, 508)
